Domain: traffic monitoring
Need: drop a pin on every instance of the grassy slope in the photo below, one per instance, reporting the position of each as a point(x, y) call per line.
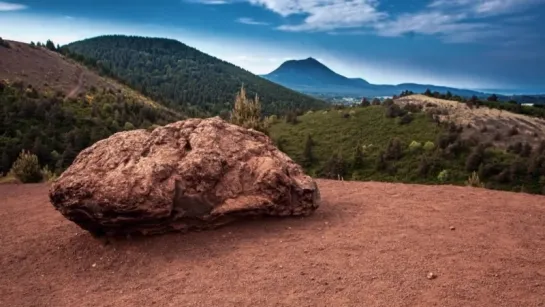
point(331, 132)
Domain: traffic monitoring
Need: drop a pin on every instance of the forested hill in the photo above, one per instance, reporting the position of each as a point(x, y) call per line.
point(182, 77)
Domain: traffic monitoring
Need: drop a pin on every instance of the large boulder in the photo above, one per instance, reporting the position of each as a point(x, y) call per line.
point(192, 174)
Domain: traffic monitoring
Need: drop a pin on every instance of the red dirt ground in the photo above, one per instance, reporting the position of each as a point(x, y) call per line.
point(369, 244)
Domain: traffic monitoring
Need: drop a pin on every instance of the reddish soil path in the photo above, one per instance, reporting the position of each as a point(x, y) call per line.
point(370, 244)
point(79, 86)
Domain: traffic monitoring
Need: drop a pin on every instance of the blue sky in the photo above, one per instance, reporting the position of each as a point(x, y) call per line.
point(479, 44)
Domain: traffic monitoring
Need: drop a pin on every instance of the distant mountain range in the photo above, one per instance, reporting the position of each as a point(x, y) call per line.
point(312, 77)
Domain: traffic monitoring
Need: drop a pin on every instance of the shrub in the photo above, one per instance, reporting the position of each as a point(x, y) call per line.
point(429, 146)
point(487, 170)
point(474, 181)
point(517, 169)
point(381, 164)
point(291, 118)
point(394, 150)
point(405, 119)
point(3, 43)
point(308, 157)
point(503, 176)
point(270, 120)
point(444, 139)
point(456, 148)
point(335, 166)
point(375, 102)
point(415, 146)
point(357, 159)
point(513, 131)
point(128, 126)
point(393, 111)
point(26, 168)
point(497, 136)
point(536, 165)
point(515, 148)
point(247, 112)
point(475, 159)
point(443, 176)
point(541, 147)
point(423, 167)
point(526, 150)
point(413, 108)
point(47, 174)
point(388, 102)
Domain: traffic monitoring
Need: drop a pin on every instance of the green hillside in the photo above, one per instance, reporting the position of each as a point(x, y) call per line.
point(374, 143)
point(56, 129)
point(182, 77)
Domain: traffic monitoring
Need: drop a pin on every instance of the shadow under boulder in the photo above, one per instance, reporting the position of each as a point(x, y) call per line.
point(188, 175)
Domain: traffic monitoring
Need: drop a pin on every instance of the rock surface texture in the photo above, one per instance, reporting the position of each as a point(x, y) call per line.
point(192, 174)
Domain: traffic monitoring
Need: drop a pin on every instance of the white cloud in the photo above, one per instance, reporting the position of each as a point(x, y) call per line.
point(325, 15)
point(8, 6)
point(450, 3)
point(250, 21)
point(446, 18)
point(485, 7)
point(457, 21)
point(209, 2)
point(425, 23)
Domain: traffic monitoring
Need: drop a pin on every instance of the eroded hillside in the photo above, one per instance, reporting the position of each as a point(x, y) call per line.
point(499, 127)
point(49, 71)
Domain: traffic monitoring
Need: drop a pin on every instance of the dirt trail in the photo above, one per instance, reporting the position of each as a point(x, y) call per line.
point(370, 244)
point(78, 87)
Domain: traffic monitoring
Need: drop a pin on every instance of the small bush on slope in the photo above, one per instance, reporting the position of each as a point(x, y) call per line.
point(474, 181)
point(26, 168)
point(443, 176)
point(415, 146)
point(47, 174)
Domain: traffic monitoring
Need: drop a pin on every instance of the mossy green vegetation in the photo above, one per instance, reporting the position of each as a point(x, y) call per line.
point(369, 143)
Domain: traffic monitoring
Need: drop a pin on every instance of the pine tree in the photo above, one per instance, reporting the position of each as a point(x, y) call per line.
point(50, 45)
point(357, 160)
point(5, 162)
point(67, 158)
point(334, 167)
point(308, 158)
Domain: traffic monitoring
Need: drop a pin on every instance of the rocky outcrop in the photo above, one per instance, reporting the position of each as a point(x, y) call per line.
point(192, 174)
